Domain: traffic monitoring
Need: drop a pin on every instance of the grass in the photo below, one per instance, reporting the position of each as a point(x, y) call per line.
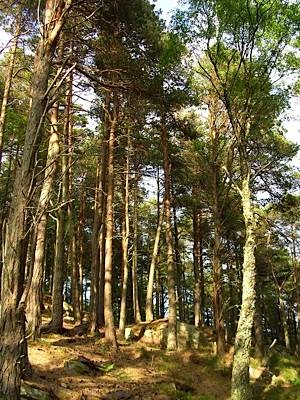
point(282, 393)
point(287, 367)
point(285, 383)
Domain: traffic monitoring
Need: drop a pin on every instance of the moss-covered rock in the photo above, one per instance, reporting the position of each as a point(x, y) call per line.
point(77, 367)
point(34, 393)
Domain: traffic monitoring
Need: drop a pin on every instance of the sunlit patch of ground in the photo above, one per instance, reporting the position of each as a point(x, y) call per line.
point(147, 373)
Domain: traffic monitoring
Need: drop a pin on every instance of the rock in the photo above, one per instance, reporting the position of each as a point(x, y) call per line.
point(156, 332)
point(118, 395)
point(184, 387)
point(256, 373)
point(188, 336)
point(135, 332)
point(82, 365)
point(34, 393)
point(68, 309)
point(77, 366)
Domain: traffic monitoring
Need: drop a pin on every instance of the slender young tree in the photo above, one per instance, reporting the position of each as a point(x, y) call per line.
point(112, 114)
point(134, 265)
point(125, 237)
point(172, 324)
point(198, 267)
point(153, 265)
point(8, 81)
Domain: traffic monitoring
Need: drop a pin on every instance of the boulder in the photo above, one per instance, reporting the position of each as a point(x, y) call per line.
point(80, 366)
point(156, 333)
point(118, 395)
point(136, 331)
point(35, 393)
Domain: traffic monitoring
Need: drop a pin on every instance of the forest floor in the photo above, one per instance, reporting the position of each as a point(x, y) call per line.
point(138, 371)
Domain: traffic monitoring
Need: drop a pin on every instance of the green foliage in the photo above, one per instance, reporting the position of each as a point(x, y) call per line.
point(281, 393)
point(286, 366)
point(107, 367)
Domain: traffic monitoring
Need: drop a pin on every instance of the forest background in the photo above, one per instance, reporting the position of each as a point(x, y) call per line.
point(198, 109)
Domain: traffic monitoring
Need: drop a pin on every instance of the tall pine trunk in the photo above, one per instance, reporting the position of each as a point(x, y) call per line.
point(80, 239)
point(135, 291)
point(180, 276)
point(150, 285)
point(12, 320)
point(217, 226)
point(34, 300)
point(8, 82)
point(240, 386)
point(125, 239)
point(258, 324)
point(198, 268)
point(296, 275)
point(172, 325)
point(98, 234)
point(72, 253)
point(110, 332)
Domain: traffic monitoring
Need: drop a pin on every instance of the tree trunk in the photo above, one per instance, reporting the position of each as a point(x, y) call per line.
point(150, 285)
point(94, 297)
point(70, 209)
point(232, 310)
point(34, 300)
point(240, 387)
point(216, 261)
point(284, 320)
point(80, 239)
point(97, 269)
point(12, 311)
point(198, 268)
point(135, 293)
point(8, 81)
point(258, 324)
point(172, 325)
point(217, 291)
point(125, 239)
point(296, 274)
point(180, 278)
point(110, 333)
point(56, 324)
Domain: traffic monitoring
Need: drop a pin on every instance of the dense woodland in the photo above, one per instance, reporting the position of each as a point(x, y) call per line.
point(145, 173)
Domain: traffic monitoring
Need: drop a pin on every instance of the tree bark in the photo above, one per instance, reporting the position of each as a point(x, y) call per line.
point(198, 268)
point(150, 285)
point(34, 300)
point(98, 237)
point(180, 277)
point(12, 311)
point(135, 293)
point(56, 324)
point(172, 325)
point(80, 239)
point(284, 321)
point(240, 387)
point(70, 208)
point(216, 259)
point(8, 81)
point(258, 324)
point(125, 239)
point(110, 333)
point(296, 275)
